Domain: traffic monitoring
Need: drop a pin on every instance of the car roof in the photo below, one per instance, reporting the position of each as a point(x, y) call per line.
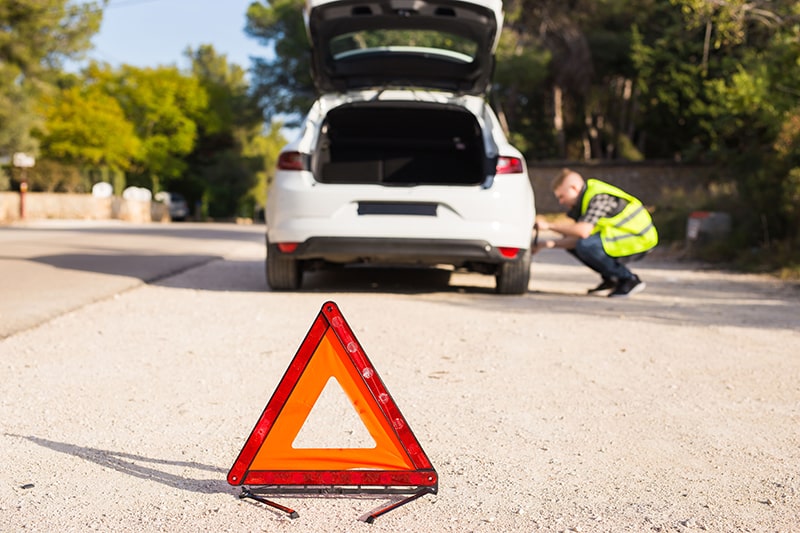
point(434, 44)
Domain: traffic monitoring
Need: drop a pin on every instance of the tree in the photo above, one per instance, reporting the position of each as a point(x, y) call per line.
point(787, 147)
point(36, 37)
point(669, 82)
point(87, 127)
point(86, 138)
point(522, 65)
point(750, 107)
point(164, 106)
point(586, 100)
point(265, 149)
point(283, 84)
point(226, 163)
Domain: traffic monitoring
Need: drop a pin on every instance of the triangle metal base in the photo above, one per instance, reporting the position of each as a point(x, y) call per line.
point(258, 493)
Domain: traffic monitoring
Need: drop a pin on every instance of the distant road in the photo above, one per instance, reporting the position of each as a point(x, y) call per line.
point(50, 267)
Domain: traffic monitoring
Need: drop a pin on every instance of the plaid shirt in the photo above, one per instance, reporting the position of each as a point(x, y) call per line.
point(600, 206)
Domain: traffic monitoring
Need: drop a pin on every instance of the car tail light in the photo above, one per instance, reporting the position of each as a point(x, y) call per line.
point(287, 247)
point(292, 161)
point(509, 165)
point(510, 253)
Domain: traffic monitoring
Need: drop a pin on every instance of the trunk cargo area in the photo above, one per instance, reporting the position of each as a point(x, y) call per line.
point(394, 145)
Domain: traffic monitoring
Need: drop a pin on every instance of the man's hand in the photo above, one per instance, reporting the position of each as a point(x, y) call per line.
point(542, 245)
point(566, 227)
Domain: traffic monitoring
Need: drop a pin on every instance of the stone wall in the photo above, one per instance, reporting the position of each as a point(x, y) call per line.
point(9, 207)
point(42, 205)
point(649, 181)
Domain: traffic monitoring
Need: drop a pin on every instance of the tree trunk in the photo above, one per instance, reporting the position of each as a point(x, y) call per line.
point(558, 121)
point(706, 48)
point(591, 140)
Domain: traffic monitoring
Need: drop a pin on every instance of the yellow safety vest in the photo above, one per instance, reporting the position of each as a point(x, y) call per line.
point(631, 231)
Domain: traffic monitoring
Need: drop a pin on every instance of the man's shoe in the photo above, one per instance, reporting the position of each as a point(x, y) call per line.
point(605, 285)
point(627, 287)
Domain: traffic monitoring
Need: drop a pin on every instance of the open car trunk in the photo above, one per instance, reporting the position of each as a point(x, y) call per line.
point(401, 145)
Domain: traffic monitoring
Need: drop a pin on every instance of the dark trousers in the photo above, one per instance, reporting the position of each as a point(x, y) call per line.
point(590, 252)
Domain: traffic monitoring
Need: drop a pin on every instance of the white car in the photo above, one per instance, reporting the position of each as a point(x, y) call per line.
point(401, 161)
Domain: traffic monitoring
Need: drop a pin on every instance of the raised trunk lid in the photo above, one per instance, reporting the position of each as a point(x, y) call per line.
point(436, 44)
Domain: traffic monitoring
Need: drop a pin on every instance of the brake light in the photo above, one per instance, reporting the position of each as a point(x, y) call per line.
point(287, 247)
point(292, 161)
point(510, 253)
point(508, 165)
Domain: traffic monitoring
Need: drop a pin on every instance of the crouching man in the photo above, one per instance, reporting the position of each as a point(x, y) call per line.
point(608, 229)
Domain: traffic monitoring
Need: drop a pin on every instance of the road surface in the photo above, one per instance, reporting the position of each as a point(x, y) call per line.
point(135, 361)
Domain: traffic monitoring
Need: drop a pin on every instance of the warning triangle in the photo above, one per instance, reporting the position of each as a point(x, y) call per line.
point(331, 355)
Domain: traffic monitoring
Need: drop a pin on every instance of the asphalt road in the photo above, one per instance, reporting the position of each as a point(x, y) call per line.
point(135, 361)
point(50, 267)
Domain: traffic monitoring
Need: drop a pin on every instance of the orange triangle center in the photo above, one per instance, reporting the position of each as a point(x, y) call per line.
point(277, 453)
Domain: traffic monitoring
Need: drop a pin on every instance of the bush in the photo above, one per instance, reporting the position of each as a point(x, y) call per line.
point(5, 181)
point(52, 176)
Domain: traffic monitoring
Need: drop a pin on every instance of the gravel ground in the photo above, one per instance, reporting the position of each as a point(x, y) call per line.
point(675, 410)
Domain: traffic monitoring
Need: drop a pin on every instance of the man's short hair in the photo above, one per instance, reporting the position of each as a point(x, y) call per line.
point(562, 175)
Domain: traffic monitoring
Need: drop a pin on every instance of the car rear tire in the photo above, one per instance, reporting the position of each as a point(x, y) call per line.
point(512, 277)
point(283, 273)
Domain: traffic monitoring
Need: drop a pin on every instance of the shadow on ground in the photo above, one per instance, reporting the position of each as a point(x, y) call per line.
point(140, 466)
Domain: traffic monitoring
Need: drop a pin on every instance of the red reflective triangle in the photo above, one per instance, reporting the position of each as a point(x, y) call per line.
point(330, 350)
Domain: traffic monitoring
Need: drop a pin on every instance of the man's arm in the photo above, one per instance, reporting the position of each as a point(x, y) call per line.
point(567, 228)
point(570, 230)
point(601, 205)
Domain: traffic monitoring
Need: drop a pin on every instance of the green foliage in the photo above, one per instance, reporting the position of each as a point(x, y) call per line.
point(229, 101)
point(522, 67)
point(5, 181)
point(36, 36)
point(670, 91)
point(283, 84)
point(164, 105)
point(790, 203)
point(54, 176)
point(87, 127)
point(263, 151)
point(729, 20)
point(755, 121)
point(229, 160)
point(728, 72)
point(787, 147)
point(17, 119)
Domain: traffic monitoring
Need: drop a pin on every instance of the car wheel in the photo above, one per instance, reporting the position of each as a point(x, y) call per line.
point(283, 273)
point(512, 277)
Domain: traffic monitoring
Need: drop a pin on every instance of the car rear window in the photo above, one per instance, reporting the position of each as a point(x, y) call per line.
point(410, 41)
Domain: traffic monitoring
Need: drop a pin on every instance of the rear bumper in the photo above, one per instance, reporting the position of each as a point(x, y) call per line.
point(300, 209)
point(398, 251)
